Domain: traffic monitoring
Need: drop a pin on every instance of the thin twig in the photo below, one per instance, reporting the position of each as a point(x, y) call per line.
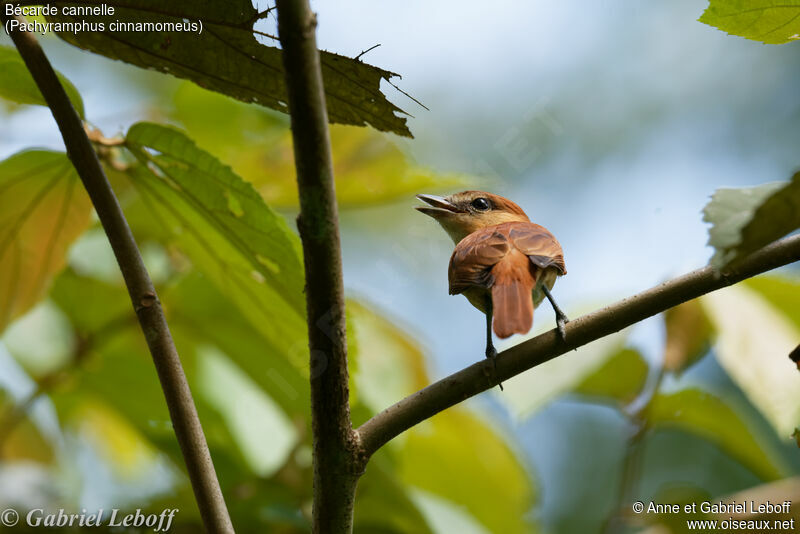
point(408, 95)
point(469, 382)
point(373, 47)
point(140, 288)
point(264, 34)
point(336, 465)
point(637, 413)
point(261, 15)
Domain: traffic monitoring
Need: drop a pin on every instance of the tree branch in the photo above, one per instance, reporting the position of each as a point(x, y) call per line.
point(143, 295)
point(479, 377)
point(336, 461)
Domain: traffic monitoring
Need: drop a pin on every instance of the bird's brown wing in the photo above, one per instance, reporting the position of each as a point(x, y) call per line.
point(538, 244)
point(474, 257)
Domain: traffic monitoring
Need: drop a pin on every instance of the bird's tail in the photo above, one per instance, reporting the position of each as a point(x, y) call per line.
point(512, 305)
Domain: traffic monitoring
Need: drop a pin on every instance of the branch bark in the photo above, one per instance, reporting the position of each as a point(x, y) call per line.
point(143, 295)
point(480, 376)
point(337, 464)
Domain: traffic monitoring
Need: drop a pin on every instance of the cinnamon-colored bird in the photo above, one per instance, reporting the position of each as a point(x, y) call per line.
point(503, 263)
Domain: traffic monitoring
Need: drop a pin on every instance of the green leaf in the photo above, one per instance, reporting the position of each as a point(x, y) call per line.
point(391, 364)
point(188, 198)
point(43, 209)
point(225, 56)
point(782, 292)
point(445, 516)
point(745, 219)
point(21, 439)
point(110, 302)
point(753, 343)
point(620, 378)
point(17, 85)
point(202, 315)
point(42, 340)
point(118, 372)
point(689, 334)
point(368, 166)
point(527, 392)
point(262, 431)
point(125, 449)
point(768, 21)
point(456, 453)
point(704, 415)
point(383, 503)
point(451, 454)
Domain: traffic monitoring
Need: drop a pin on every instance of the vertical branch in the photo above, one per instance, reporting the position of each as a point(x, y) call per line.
point(335, 467)
point(182, 411)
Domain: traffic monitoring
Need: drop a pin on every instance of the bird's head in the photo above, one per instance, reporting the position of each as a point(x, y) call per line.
point(462, 213)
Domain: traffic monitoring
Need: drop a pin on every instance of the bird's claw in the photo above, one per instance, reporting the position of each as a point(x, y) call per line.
point(491, 354)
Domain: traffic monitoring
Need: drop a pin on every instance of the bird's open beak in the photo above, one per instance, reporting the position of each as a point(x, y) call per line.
point(438, 206)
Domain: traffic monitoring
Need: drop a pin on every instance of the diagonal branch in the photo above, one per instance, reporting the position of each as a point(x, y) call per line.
point(182, 411)
point(335, 468)
point(479, 377)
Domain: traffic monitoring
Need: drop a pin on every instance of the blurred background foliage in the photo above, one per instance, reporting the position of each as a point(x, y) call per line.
point(615, 143)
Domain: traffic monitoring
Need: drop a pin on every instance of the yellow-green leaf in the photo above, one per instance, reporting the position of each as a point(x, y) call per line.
point(17, 85)
point(707, 416)
point(391, 364)
point(781, 291)
point(459, 457)
point(21, 440)
point(455, 452)
point(369, 167)
point(620, 378)
point(248, 252)
point(43, 209)
point(527, 392)
point(689, 333)
point(768, 21)
point(754, 339)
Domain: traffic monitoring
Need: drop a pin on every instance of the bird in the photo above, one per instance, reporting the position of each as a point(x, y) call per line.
point(504, 264)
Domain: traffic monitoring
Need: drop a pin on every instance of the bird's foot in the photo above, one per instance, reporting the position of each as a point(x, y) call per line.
point(491, 354)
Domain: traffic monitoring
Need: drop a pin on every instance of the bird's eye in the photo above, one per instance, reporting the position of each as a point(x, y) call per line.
point(481, 204)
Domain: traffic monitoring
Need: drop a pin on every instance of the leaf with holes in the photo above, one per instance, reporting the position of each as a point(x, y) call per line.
point(745, 219)
point(43, 209)
point(213, 45)
point(369, 167)
point(768, 21)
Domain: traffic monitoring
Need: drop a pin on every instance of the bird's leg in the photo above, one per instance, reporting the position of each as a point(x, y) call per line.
point(561, 317)
point(491, 352)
